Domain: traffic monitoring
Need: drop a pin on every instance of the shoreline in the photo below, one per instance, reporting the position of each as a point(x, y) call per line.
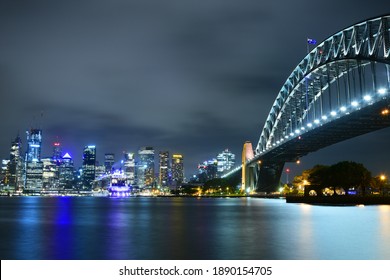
point(340, 200)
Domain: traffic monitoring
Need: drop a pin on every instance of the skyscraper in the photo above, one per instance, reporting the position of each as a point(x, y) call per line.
point(57, 151)
point(16, 165)
point(177, 169)
point(33, 163)
point(226, 161)
point(109, 160)
point(164, 169)
point(49, 174)
point(67, 179)
point(146, 167)
point(89, 162)
point(129, 168)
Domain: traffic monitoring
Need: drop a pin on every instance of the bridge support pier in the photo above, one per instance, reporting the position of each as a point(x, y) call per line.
point(269, 176)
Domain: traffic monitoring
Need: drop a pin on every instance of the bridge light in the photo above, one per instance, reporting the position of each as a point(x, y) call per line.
point(297, 131)
point(316, 121)
point(309, 124)
point(343, 109)
point(291, 134)
point(324, 118)
point(302, 128)
point(367, 97)
point(333, 113)
point(382, 91)
point(354, 103)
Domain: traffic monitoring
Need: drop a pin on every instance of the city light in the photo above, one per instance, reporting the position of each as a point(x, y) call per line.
point(382, 91)
point(343, 109)
point(367, 97)
point(333, 113)
point(354, 103)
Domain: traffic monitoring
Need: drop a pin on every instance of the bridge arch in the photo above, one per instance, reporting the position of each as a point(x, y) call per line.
point(346, 72)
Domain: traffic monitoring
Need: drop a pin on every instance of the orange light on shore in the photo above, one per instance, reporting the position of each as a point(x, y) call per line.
point(385, 112)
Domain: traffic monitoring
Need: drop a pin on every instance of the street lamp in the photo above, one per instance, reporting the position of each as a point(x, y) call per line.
point(287, 172)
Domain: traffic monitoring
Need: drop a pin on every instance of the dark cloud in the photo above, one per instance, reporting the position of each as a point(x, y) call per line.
point(188, 76)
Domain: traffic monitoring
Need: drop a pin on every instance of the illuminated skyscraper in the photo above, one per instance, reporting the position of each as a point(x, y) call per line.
point(67, 179)
point(57, 151)
point(164, 169)
point(109, 160)
point(33, 163)
point(177, 169)
point(50, 173)
point(129, 168)
point(226, 161)
point(16, 165)
point(89, 162)
point(146, 167)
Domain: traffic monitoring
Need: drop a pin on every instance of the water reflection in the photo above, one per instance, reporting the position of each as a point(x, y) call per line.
point(189, 228)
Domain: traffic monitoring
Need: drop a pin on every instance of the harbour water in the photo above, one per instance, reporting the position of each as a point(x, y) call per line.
point(58, 228)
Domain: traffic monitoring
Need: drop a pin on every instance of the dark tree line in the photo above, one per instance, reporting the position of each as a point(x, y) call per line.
point(345, 174)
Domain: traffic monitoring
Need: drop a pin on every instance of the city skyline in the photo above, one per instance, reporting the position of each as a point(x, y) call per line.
point(187, 78)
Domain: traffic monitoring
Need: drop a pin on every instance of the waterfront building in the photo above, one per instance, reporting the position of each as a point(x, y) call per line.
point(57, 151)
point(89, 163)
point(225, 161)
point(129, 168)
point(15, 167)
point(100, 171)
point(66, 172)
point(109, 160)
point(49, 174)
point(164, 169)
point(177, 170)
point(33, 164)
point(146, 167)
point(5, 172)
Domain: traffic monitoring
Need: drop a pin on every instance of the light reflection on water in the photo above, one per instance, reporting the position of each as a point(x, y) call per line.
point(189, 228)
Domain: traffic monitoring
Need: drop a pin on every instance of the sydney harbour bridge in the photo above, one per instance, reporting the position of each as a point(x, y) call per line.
point(339, 90)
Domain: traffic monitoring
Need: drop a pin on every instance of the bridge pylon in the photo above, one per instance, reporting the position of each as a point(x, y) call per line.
point(248, 181)
point(268, 175)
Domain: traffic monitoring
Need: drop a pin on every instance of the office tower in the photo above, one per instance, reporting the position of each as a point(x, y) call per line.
point(33, 163)
point(57, 151)
point(146, 167)
point(100, 170)
point(129, 168)
point(66, 171)
point(4, 174)
point(49, 174)
point(109, 160)
point(15, 169)
point(89, 162)
point(226, 161)
point(57, 159)
point(164, 169)
point(177, 169)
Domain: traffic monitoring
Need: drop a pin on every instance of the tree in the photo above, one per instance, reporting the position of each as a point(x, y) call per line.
point(348, 174)
point(319, 175)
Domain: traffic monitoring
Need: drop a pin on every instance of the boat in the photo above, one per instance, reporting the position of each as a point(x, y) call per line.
point(118, 185)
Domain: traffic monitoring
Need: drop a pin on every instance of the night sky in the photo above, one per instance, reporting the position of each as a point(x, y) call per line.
point(188, 76)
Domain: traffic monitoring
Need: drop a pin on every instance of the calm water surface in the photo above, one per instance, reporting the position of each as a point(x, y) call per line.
point(189, 228)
